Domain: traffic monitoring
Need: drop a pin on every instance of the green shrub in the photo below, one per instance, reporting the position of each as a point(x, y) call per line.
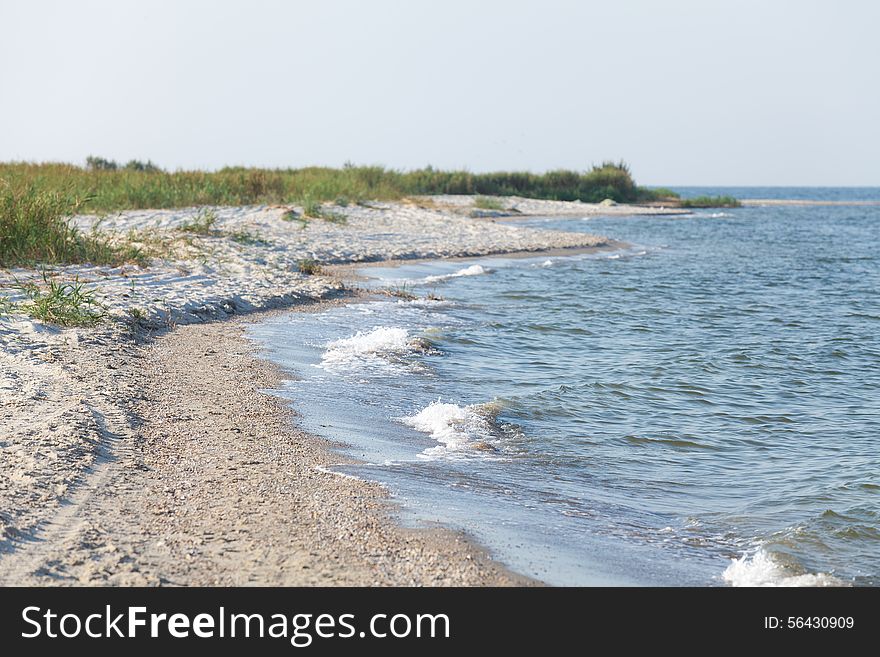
point(309, 267)
point(711, 202)
point(488, 203)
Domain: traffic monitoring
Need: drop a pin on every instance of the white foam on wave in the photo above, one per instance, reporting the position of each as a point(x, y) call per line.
point(370, 345)
point(473, 270)
point(709, 215)
point(761, 569)
point(455, 427)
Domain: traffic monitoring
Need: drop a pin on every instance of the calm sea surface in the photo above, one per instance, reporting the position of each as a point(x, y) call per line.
point(701, 408)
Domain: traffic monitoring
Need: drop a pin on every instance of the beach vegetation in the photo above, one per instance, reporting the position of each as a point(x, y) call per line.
point(137, 314)
point(311, 207)
point(6, 306)
point(309, 267)
point(62, 303)
point(488, 203)
point(137, 165)
point(202, 224)
point(663, 194)
point(291, 215)
point(155, 243)
point(247, 238)
point(35, 227)
point(37, 200)
point(314, 209)
point(710, 202)
point(106, 186)
point(95, 163)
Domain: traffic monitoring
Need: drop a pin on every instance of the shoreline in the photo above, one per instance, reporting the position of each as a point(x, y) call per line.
point(144, 451)
point(218, 486)
point(347, 273)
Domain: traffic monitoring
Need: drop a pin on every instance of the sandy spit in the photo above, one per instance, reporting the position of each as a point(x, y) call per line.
point(144, 451)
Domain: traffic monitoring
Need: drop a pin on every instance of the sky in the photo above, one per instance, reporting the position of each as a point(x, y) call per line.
point(687, 92)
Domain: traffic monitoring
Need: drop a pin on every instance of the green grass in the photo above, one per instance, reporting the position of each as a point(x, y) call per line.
point(663, 194)
point(202, 224)
point(332, 217)
point(107, 186)
point(247, 238)
point(6, 306)
point(36, 200)
point(710, 202)
point(488, 203)
point(314, 209)
point(291, 215)
point(137, 314)
point(64, 304)
point(35, 228)
point(309, 267)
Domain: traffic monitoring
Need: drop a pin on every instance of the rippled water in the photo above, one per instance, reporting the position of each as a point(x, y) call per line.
point(701, 408)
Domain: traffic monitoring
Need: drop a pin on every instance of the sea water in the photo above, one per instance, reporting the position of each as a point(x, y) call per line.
point(701, 407)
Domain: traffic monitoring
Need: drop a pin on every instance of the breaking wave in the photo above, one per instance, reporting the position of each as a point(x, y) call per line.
point(761, 569)
point(383, 343)
point(473, 270)
point(458, 428)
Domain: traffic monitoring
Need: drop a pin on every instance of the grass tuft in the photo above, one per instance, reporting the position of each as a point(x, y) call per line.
point(202, 224)
point(248, 238)
point(313, 209)
point(137, 314)
point(64, 304)
point(309, 267)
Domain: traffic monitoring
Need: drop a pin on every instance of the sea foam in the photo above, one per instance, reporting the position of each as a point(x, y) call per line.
point(382, 341)
point(761, 569)
point(456, 427)
point(473, 270)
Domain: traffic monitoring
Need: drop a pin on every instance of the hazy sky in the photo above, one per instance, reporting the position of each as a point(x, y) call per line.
point(688, 92)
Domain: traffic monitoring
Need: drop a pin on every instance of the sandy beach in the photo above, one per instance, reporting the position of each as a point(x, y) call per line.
point(145, 451)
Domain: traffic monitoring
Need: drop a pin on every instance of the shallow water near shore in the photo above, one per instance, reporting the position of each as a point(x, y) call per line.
point(700, 408)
